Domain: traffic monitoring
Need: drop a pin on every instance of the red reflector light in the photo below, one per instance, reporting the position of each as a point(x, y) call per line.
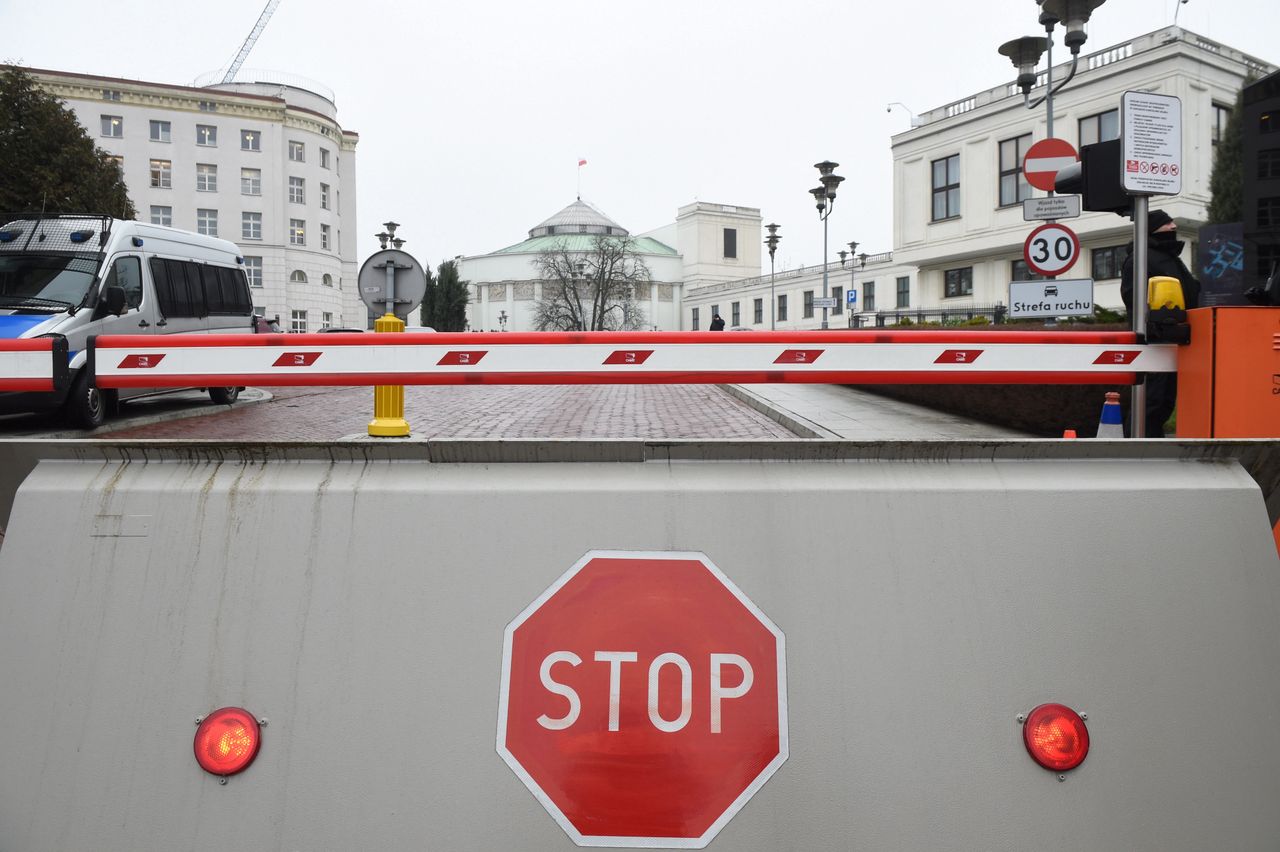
point(227, 741)
point(1056, 737)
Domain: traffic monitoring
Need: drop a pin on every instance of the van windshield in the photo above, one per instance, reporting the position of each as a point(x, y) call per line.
point(45, 282)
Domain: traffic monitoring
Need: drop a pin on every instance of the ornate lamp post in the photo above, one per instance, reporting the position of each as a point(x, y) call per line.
point(861, 262)
point(772, 242)
point(825, 196)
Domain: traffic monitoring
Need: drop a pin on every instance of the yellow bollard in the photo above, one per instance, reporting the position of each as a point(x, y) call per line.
point(388, 400)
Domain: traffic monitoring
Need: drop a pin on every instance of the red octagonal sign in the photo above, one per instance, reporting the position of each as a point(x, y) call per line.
point(643, 700)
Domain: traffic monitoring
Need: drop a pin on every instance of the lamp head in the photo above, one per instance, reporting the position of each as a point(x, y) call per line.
point(853, 246)
point(772, 229)
point(391, 227)
point(843, 254)
point(826, 167)
point(819, 194)
point(1073, 14)
point(382, 238)
point(831, 183)
point(862, 259)
point(1024, 53)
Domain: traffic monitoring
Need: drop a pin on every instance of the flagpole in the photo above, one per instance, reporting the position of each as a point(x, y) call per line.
point(581, 162)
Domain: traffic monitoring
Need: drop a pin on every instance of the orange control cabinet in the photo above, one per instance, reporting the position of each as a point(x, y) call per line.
point(1229, 375)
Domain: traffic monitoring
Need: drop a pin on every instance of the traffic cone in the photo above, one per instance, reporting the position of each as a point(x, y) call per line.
point(1110, 424)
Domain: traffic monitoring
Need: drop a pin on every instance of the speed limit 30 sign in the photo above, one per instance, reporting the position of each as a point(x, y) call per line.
point(1051, 249)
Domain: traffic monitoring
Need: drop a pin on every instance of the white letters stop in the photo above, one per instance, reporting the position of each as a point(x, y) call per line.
point(616, 659)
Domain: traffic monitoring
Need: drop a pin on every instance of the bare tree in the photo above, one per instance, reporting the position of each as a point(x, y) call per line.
point(592, 290)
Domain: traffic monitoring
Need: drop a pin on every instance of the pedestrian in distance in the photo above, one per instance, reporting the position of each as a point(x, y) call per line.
point(717, 322)
point(1164, 251)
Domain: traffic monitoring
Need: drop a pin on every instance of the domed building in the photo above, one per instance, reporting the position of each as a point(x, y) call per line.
point(506, 284)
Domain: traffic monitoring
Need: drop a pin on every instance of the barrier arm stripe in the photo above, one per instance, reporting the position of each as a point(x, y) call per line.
point(33, 364)
point(873, 357)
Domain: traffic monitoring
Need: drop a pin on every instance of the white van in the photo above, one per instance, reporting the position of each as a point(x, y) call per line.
point(79, 276)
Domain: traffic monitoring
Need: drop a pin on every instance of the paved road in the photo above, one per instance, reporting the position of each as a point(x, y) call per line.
point(652, 412)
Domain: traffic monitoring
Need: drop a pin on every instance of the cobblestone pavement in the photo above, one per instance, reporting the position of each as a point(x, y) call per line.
point(654, 412)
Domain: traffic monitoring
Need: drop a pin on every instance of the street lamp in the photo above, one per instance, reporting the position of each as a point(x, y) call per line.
point(861, 259)
point(1025, 52)
point(502, 320)
point(825, 196)
point(772, 242)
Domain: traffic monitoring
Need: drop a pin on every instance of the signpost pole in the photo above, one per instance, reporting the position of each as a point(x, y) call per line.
point(1138, 398)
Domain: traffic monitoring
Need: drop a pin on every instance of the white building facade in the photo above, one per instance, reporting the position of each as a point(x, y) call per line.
point(959, 187)
point(263, 163)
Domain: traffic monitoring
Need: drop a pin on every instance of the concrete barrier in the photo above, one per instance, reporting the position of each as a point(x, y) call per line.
point(357, 595)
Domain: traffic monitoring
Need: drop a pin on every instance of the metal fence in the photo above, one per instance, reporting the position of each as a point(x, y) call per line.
point(994, 313)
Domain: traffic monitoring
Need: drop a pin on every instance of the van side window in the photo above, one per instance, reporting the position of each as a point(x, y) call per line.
point(178, 288)
point(235, 291)
point(126, 272)
point(212, 289)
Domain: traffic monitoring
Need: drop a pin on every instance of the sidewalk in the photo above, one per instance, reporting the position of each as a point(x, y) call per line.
point(838, 411)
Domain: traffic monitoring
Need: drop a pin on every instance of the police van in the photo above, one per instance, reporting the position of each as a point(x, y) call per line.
point(80, 276)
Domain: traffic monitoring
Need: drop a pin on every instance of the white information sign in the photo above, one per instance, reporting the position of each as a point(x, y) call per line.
point(1056, 207)
point(824, 302)
point(1065, 297)
point(1151, 143)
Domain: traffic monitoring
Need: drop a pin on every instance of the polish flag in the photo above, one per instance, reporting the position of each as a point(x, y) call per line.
point(582, 162)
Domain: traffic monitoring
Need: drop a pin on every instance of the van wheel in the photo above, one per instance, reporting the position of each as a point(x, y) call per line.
point(224, 396)
point(86, 406)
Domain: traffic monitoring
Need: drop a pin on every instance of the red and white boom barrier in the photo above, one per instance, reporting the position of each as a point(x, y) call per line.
point(841, 357)
point(34, 364)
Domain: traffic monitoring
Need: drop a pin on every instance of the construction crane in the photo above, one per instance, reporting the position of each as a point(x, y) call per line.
point(249, 42)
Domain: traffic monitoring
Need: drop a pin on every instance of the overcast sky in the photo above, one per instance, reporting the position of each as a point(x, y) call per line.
point(472, 115)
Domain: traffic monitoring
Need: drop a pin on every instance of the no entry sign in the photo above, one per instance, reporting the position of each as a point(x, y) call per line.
point(643, 700)
point(1045, 159)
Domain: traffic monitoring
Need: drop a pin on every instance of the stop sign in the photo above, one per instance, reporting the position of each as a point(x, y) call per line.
point(643, 700)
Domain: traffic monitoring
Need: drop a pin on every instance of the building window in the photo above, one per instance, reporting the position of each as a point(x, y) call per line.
point(250, 140)
point(326, 320)
point(160, 131)
point(298, 322)
point(324, 237)
point(1269, 212)
point(735, 314)
point(208, 106)
point(869, 295)
point(161, 215)
point(807, 295)
point(207, 222)
point(1107, 262)
point(297, 190)
point(1100, 127)
point(110, 94)
point(297, 153)
point(693, 321)
point(251, 226)
point(206, 177)
point(161, 174)
point(113, 126)
point(297, 232)
point(946, 188)
point(1221, 114)
point(958, 282)
point(1019, 271)
point(715, 311)
point(730, 242)
point(251, 181)
point(757, 311)
point(1013, 184)
point(206, 135)
point(118, 160)
point(324, 158)
point(327, 280)
point(324, 196)
point(253, 270)
point(838, 293)
point(782, 308)
point(297, 276)
point(1269, 164)
point(904, 292)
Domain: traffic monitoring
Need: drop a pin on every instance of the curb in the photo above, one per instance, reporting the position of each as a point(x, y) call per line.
point(799, 425)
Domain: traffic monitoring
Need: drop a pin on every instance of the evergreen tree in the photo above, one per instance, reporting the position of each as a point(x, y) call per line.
point(1226, 181)
point(444, 307)
point(48, 162)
